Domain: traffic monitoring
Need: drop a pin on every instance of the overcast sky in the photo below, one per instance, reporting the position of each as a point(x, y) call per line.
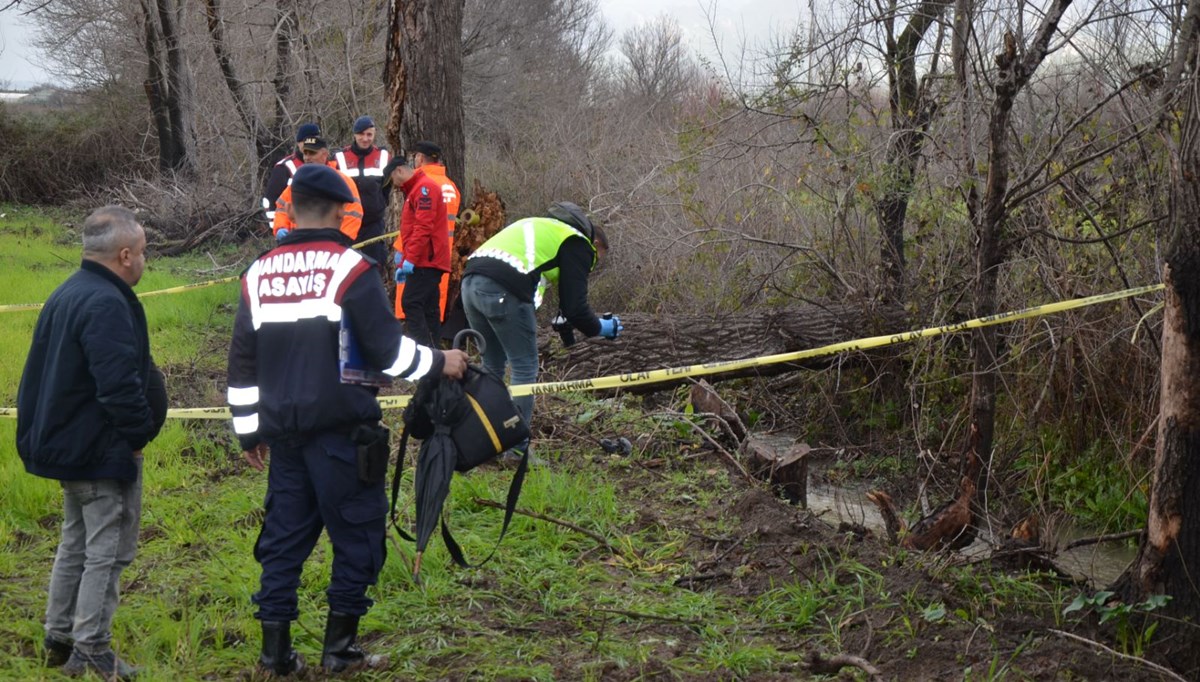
point(737, 21)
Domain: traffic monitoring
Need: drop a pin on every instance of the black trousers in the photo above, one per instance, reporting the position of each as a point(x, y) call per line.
point(422, 306)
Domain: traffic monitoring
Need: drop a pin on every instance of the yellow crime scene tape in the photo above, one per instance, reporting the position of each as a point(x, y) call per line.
point(674, 373)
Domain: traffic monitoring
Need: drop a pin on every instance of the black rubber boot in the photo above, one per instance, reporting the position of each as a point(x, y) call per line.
point(340, 651)
point(278, 657)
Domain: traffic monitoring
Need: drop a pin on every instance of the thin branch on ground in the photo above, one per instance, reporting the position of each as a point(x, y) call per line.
point(1111, 537)
point(1164, 671)
point(833, 665)
point(683, 419)
point(558, 522)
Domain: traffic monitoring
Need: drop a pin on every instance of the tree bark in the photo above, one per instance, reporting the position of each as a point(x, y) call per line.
point(423, 75)
point(169, 87)
point(656, 342)
point(1014, 68)
point(912, 110)
point(156, 85)
point(264, 145)
point(180, 98)
point(1169, 553)
point(285, 33)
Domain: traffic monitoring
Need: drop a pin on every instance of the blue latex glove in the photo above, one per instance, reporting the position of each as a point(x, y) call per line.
point(402, 263)
point(283, 232)
point(611, 327)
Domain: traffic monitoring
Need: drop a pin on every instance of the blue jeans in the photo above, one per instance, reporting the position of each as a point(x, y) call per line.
point(509, 329)
point(99, 539)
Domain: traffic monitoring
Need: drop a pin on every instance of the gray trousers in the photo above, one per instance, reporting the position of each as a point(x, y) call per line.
point(99, 539)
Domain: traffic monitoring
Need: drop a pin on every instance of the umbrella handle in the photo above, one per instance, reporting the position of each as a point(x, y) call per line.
point(460, 340)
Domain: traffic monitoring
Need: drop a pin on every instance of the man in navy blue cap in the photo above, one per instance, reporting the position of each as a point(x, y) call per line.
point(363, 162)
point(284, 169)
point(328, 451)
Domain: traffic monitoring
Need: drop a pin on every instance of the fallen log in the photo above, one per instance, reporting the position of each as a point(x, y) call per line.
point(661, 341)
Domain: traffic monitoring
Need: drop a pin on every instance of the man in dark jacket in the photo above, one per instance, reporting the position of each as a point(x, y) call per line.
point(89, 400)
point(363, 162)
point(283, 170)
point(304, 305)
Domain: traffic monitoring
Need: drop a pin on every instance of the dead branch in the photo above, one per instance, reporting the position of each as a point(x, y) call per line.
point(558, 522)
point(683, 418)
point(1165, 672)
point(833, 665)
point(1096, 539)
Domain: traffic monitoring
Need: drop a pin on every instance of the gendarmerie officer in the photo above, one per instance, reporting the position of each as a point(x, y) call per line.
point(289, 399)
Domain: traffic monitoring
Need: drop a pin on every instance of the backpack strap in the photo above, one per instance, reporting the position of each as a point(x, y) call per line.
point(514, 492)
point(396, 484)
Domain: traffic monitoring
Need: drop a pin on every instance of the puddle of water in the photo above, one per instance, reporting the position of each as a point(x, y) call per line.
point(1102, 564)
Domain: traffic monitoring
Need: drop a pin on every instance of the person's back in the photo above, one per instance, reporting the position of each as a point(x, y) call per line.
point(505, 278)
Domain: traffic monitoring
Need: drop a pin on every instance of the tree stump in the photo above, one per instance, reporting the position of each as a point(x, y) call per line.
point(785, 468)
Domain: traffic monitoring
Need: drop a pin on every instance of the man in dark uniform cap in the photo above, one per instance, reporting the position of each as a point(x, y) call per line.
point(291, 398)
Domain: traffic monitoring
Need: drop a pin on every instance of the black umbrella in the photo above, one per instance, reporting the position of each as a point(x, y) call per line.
point(445, 406)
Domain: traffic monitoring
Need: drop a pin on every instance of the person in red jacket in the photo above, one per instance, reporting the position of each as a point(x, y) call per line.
point(422, 249)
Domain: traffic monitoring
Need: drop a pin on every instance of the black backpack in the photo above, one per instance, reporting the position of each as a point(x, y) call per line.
point(461, 424)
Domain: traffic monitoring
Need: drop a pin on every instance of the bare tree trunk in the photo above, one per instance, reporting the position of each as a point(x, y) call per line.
point(169, 87)
point(1014, 68)
point(423, 74)
point(180, 98)
point(156, 85)
point(285, 33)
point(264, 144)
point(912, 111)
point(1169, 553)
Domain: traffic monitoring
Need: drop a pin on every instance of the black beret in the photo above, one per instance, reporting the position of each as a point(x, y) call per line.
point(316, 180)
point(392, 165)
point(428, 149)
point(307, 130)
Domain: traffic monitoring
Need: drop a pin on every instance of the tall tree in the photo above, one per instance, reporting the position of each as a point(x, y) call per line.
point(1169, 553)
point(912, 109)
point(1014, 66)
point(423, 75)
point(169, 86)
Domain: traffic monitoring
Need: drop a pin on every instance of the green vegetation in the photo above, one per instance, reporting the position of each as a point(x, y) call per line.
point(705, 577)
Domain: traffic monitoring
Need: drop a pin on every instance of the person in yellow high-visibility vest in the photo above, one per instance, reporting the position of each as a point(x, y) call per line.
point(427, 156)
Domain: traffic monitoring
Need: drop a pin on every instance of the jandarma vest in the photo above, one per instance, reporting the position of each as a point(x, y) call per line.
point(529, 245)
point(372, 164)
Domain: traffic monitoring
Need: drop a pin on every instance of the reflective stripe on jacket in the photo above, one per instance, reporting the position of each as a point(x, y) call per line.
point(352, 212)
point(530, 247)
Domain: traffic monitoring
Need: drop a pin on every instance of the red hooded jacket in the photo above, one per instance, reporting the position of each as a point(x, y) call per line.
point(423, 239)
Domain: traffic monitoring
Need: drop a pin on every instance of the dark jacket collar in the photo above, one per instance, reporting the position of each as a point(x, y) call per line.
point(103, 271)
point(324, 234)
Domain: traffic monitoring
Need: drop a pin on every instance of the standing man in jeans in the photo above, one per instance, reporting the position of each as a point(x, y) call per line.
point(89, 401)
point(504, 281)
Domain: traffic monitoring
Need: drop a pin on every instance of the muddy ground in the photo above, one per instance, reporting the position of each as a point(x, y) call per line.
point(769, 542)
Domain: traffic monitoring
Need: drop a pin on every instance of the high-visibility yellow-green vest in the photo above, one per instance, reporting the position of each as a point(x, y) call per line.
point(529, 244)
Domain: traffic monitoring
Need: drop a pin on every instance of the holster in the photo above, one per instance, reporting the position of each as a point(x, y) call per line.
point(372, 441)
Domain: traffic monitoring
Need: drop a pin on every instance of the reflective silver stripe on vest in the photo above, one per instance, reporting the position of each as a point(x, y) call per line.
point(383, 161)
point(504, 256)
point(345, 167)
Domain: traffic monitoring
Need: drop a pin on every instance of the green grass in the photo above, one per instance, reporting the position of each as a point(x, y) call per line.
point(552, 605)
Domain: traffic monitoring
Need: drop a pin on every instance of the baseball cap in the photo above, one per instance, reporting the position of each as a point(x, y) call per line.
point(307, 130)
